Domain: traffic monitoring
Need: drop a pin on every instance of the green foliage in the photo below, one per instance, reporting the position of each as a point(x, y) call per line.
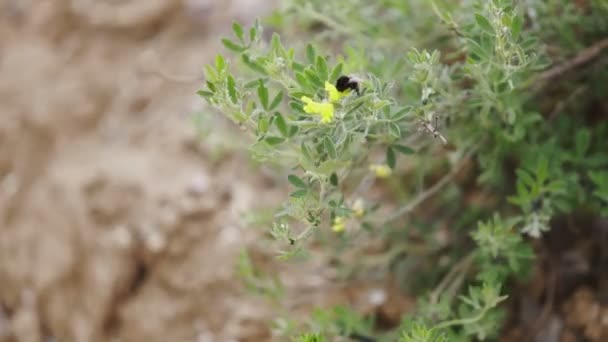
point(442, 83)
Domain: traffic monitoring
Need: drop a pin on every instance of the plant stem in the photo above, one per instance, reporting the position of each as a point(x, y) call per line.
point(408, 207)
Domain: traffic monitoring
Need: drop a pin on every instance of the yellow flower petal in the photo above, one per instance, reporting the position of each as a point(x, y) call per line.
point(381, 170)
point(333, 94)
point(325, 110)
point(358, 208)
point(339, 225)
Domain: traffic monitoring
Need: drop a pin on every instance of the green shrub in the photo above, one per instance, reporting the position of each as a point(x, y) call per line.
point(447, 91)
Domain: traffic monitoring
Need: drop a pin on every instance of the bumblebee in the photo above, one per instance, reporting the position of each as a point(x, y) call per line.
point(345, 83)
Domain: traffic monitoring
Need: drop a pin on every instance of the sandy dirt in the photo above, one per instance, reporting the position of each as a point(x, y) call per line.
point(114, 225)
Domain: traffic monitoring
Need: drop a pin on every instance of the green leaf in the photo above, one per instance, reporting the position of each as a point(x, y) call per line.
point(333, 179)
point(253, 34)
point(275, 44)
point(263, 124)
point(231, 87)
point(484, 24)
point(322, 70)
point(293, 130)
point(238, 31)
point(263, 94)
point(313, 78)
point(542, 170)
point(525, 177)
point(336, 72)
point(230, 45)
point(302, 80)
point(276, 101)
point(281, 124)
point(252, 84)
point(403, 149)
point(204, 93)
point(298, 193)
point(400, 114)
point(271, 140)
point(391, 159)
point(310, 53)
point(394, 130)
point(253, 65)
point(516, 25)
point(476, 49)
point(220, 64)
point(211, 86)
point(297, 181)
point(305, 151)
point(330, 147)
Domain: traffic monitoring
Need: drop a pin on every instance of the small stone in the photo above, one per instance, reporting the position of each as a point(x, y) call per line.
point(121, 237)
point(377, 297)
point(199, 185)
point(155, 241)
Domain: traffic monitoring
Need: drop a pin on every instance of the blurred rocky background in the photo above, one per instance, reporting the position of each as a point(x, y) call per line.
point(114, 223)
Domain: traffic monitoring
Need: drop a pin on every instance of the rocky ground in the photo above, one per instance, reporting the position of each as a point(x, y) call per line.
point(114, 223)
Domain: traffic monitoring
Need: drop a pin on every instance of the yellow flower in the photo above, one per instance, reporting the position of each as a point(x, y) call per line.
point(333, 94)
point(324, 109)
point(358, 208)
point(381, 170)
point(339, 225)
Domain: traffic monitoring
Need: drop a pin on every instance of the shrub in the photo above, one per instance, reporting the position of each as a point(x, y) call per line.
point(445, 100)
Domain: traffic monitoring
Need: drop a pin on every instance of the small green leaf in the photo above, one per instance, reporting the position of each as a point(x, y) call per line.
point(238, 31)
point(330, 147)
point(271, 140)
point(400, 114)
point(403, 149)
point(230, 45)
point(293, 130)
point(394, 130)
point(211, 86)
point(253, 34)
point(333, 179)
point(281, 124)
point(542, 170)
point(296, 106)
point(275, 44)
point(299, 193)
point(220, 64)
point(253, 65)
point(276, 101)
point(204, 93)
point(391, 159)
point(336, 72)
point(297, 67)
point(516, 25)
point(305, 151)
point(302, 80)
point(263, 94)
point(263, 124)
point(297, 181)
point(313, 78)
point(231, 87)
point(321, 66)
point(310, 53)
point(484, 24)
point(252, 84)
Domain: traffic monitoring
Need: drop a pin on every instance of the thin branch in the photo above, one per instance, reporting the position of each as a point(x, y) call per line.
point(431, 191)
point(456, 273)
point(583, 57)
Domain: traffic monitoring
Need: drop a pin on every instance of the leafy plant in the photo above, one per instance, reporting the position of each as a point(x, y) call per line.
point(455, 89)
